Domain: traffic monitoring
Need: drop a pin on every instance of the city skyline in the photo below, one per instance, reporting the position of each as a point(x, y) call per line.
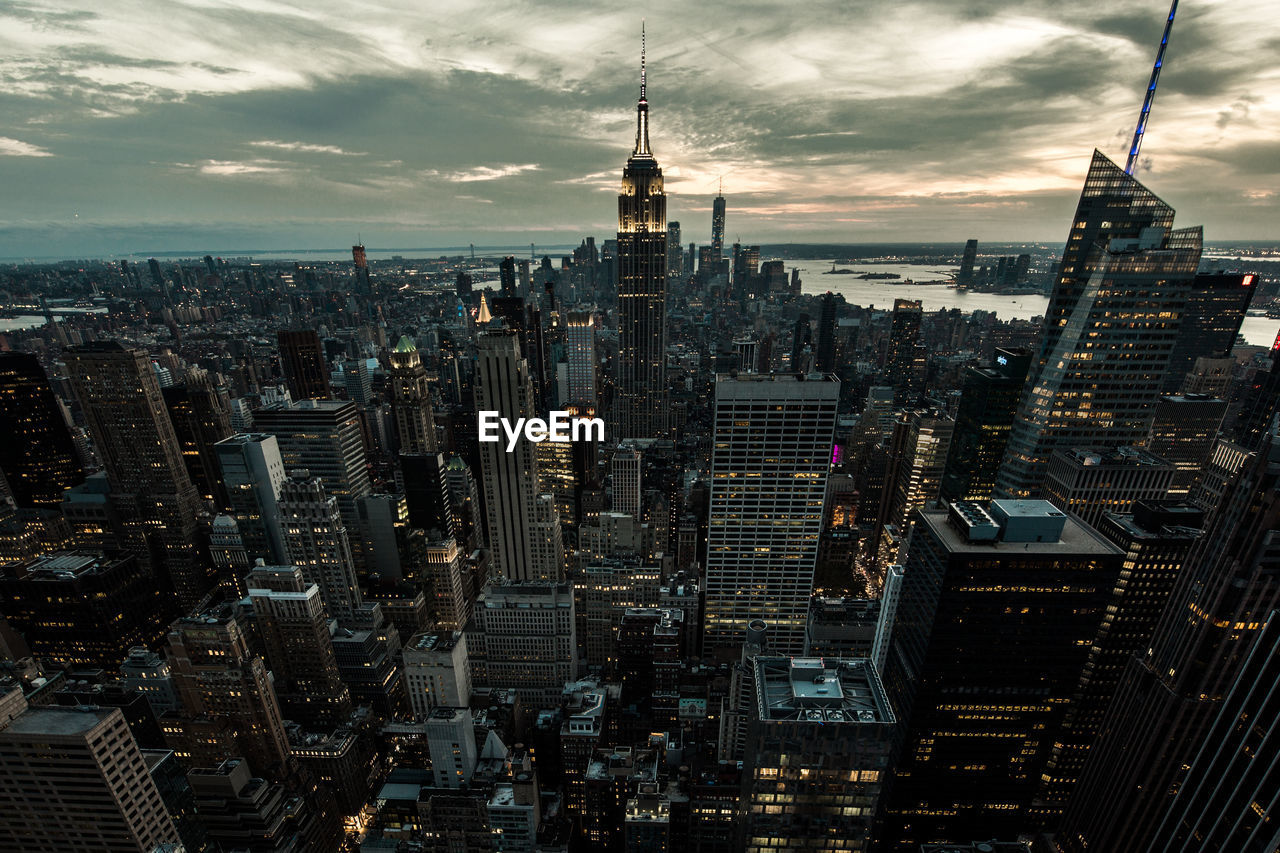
point(229, 129)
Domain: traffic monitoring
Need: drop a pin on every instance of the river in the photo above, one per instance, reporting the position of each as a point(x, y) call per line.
point(1258, 331)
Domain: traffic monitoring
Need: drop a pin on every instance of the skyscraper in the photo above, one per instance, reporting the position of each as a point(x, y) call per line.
point(717, 227)
point(1110, 329)
point(507, 274)
point(1211, 320)
point(201, 418)
point(1088, 482)
point(1229, 798)
point(37, 454)
point(581, 357)
point(324, 437)
point(819, 740)
point(1184, 430)
point(988, 404)
point(411, 397)
point(524, 529)
point(1155, 539)
point(291, 620)
point(825, 358)
point(83, 609)
point(306, 371)
point(642, 288)
point(228, 704)
point(131, 430)
point(74, 779)
point(252, 471)
point(904, 363)
point(976, 674)
point(965, 278)
point(675, 251)
point(1167, 699)
point(771, 454)
point(315, 540)
point(625, 470)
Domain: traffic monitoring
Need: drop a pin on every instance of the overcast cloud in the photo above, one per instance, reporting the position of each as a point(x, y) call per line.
point(149, 125)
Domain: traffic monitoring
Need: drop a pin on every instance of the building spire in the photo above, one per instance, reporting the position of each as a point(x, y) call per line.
point(642, 108)
point(1151, 93)
point(642, 59)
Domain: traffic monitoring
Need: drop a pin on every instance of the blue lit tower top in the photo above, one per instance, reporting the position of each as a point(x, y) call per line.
point(1150, 95)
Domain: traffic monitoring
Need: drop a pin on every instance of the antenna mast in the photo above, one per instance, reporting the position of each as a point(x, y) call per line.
point(1151, 94)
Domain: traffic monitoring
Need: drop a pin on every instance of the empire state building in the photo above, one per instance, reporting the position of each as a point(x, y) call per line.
point(642, 287)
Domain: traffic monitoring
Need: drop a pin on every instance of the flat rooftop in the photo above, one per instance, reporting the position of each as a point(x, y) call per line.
point(442, 641)
point(58, 720)
point(820, 690)
point(1075, 538)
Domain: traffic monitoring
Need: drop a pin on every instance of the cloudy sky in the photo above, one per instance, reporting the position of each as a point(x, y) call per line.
point(150, 125)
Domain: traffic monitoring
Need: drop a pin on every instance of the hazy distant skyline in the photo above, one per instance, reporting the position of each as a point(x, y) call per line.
point(242, 124)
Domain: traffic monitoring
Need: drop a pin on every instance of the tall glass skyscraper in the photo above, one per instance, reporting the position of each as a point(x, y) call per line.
point(642, 288)
point(1110, 330)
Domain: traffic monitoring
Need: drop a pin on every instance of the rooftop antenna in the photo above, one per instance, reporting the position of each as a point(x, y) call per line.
point(720, 187)
point(642, 70)
point(1151, 94)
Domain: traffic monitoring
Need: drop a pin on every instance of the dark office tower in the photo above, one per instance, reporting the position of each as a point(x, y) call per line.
point(1111, 326)
point(37, 454)
point(1167, 699)
point(1021, 268)
point(324, 437)
point(675, 255)
point(411, 397)
point(227, 703)
point(507, 271)
point(1156, 539)
point(151, 489)
point(991, 680)
point(1088, 482)
point(252, 472)
point(1230, 797)
point(200, 419)
point(1183, 432)
point(772, 452)
point(306, 370)
point(820, 739)
point(1259, 404)
point(426, 494)
point(463, 286)
point(901, 364)
point(74, 779)
point(524, 529)
point(988, 404)
point(315, 539)
point(642, 289)
point(1211, 321)
point(965, 278)
point(717, 228)
point(825, 357)
point(801, 340)
point(83, 609)
point(291, 620)
point(157, 277)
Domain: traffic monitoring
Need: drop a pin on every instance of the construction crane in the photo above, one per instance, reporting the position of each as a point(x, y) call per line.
point(1151, 94)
